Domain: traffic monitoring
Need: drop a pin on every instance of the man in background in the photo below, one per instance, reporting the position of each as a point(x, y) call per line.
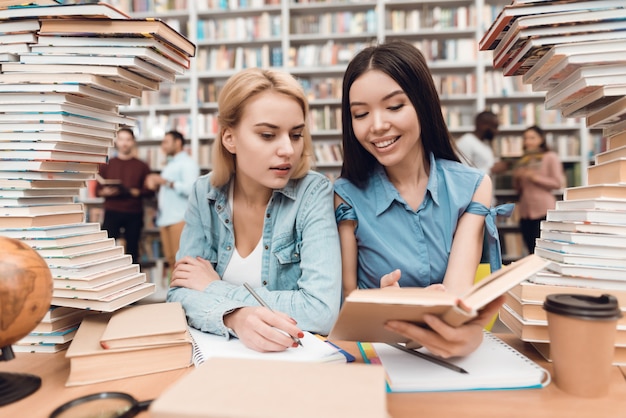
point(123, 199)
point(475, 147)
point(174, 185)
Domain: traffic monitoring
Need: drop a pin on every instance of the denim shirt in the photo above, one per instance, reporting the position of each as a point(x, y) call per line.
point(391, 235)
point(301, 271)
point(183, 171)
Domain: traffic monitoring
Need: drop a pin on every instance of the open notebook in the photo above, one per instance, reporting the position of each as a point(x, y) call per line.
point(313, 349)
point(494, 365)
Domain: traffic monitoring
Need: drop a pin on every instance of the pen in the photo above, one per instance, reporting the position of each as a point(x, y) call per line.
point(430, 358)
point(263, 303)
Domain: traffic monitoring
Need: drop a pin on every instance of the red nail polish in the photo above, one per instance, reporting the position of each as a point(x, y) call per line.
point(301, 335)
point(294, 345)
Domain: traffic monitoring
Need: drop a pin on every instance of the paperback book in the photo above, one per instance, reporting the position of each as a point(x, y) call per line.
point(111, 302)
point(365, 311)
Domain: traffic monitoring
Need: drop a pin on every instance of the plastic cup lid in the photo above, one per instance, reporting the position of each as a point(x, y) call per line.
point(583, 306)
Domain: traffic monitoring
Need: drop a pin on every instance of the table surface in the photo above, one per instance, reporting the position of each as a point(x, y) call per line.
point(548, 402)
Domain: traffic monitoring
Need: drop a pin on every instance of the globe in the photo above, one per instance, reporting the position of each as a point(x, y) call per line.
point(25, 295)
point(25, 290)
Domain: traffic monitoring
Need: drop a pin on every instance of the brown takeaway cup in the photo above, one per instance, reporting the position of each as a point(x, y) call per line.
point(582, 332)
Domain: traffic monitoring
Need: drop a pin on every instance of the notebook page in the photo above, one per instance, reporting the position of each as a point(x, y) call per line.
point(313, 349)
point(494, 365)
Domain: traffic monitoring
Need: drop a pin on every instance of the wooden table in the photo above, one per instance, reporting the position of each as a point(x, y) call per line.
point(548, 402)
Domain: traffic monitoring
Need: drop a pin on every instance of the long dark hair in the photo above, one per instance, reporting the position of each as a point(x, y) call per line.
point(406, 65)
point(544, 145)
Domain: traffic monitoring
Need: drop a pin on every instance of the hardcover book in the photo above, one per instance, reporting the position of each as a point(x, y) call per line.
point(135, 64)
point(41, 219)
point(54, 9)
point(529, 54)
point(563, 247)
point(558, 67)
point(546, 24)
point(73, 244)
point(55, 231)
point(90, 363)
point(613, 171)
point(610, 155)
point(596, 191)
point(118, 74)
point(511, 12)
point(530, 292)
point(365, 311)
point(155, 28)
point(584, 238)
point(582, 259)
point(582, 81)
point(145, 325)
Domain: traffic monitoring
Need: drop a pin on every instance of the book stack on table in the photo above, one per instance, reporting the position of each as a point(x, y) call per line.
point(64, 72)
point(575, 52)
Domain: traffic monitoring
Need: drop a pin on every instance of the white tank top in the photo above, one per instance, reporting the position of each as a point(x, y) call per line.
point(242, 270)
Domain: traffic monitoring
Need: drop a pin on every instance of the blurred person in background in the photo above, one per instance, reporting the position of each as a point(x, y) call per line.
point(173, 187)
point(123, 201)
point(537, 174)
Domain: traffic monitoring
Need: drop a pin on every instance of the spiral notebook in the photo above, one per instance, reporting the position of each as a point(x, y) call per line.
point(494, 365)
point(313, 349)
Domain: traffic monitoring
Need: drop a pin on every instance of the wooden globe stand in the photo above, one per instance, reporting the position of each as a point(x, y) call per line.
point(15, 386)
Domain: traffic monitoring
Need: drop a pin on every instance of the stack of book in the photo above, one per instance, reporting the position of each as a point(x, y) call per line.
point(60, 92)
point(574, 51)
point(132, 341)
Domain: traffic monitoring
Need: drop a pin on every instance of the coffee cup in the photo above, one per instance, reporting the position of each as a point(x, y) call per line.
point(582, 332)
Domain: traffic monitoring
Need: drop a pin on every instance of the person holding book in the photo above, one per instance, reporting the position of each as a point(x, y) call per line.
point(260, 219)
point(409, 213)
point(537, 174)
point(173, 186)
point(123, 201)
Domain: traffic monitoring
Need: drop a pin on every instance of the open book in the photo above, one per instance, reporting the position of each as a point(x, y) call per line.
point(365, 311)
point(493, 365)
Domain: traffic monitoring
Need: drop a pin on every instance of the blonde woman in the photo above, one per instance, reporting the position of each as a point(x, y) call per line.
point(260, 217)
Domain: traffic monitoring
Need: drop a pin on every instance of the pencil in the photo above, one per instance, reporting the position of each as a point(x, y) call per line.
point(430, 358)
point(263, 303)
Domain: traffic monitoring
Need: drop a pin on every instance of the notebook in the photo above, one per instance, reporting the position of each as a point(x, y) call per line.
point(313, 349)
point(247, 388)
point(494, 365)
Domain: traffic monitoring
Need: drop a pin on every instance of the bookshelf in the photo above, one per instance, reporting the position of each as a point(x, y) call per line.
point(314, 40)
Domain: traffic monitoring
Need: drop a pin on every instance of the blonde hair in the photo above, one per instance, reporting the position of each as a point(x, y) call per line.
point(231, 103)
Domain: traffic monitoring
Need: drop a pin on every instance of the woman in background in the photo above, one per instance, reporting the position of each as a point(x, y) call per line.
point(260, 217)
point(408, 212)
point(536, 175)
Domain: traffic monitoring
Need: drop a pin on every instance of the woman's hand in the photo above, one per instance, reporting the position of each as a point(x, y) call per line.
point(391, 280)
point(263, 330)
point(444, 340)
point(193, 273)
